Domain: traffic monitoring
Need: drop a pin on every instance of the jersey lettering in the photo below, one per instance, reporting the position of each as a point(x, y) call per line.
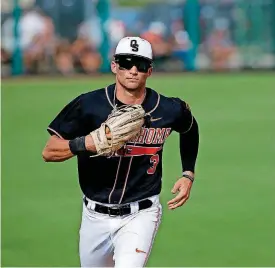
point(167, 133)
point(150, 136)
point(159, 136)
point(142, 135)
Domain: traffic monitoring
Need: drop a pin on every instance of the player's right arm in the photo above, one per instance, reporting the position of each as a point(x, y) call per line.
point(58, 149)
point(67, 137)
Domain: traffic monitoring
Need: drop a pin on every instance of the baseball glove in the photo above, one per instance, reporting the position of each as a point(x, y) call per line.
point(122, 124)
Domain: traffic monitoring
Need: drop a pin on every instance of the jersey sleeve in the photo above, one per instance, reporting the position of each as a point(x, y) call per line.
point(184, 118)
point(67, 124)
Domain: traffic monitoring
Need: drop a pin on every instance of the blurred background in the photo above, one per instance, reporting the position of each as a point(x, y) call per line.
point(79, 36)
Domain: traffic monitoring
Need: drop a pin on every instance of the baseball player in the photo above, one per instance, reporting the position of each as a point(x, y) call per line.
point(117, 134)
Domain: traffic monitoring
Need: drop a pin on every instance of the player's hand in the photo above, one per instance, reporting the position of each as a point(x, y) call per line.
point(123, 123)
point(183, 187)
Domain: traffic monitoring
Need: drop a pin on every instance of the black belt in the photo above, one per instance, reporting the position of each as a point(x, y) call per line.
point(120, 210)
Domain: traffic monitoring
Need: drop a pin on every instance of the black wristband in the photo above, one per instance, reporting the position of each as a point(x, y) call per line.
point(188, 177)
point(77, 145)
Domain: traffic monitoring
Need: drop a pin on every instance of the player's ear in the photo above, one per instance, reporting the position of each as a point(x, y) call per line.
point(150, 71)
point(113, 67)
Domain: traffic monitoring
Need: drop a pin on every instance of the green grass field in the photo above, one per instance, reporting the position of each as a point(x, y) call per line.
point(229, 219)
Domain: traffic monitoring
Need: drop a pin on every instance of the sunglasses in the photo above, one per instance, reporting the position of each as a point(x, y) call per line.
point(127, 63)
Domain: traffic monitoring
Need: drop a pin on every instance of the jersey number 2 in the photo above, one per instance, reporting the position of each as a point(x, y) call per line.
point(154, 160)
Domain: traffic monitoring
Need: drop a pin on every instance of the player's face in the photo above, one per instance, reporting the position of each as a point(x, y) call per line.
point(132, 72)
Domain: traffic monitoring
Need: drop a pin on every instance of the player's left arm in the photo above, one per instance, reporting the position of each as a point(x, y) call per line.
point(188, 129)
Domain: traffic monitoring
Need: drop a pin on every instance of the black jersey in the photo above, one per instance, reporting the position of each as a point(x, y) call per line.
point(135, 171)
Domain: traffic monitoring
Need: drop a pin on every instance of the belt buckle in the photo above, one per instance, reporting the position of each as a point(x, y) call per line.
point(114, 207)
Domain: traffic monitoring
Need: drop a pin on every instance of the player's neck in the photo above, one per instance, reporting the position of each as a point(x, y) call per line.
point(130, 97)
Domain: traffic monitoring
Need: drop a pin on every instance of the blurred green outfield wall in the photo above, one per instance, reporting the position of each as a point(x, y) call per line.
point(231, 34)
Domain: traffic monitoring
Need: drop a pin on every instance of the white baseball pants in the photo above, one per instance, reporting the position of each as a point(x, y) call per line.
point(120, 241)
